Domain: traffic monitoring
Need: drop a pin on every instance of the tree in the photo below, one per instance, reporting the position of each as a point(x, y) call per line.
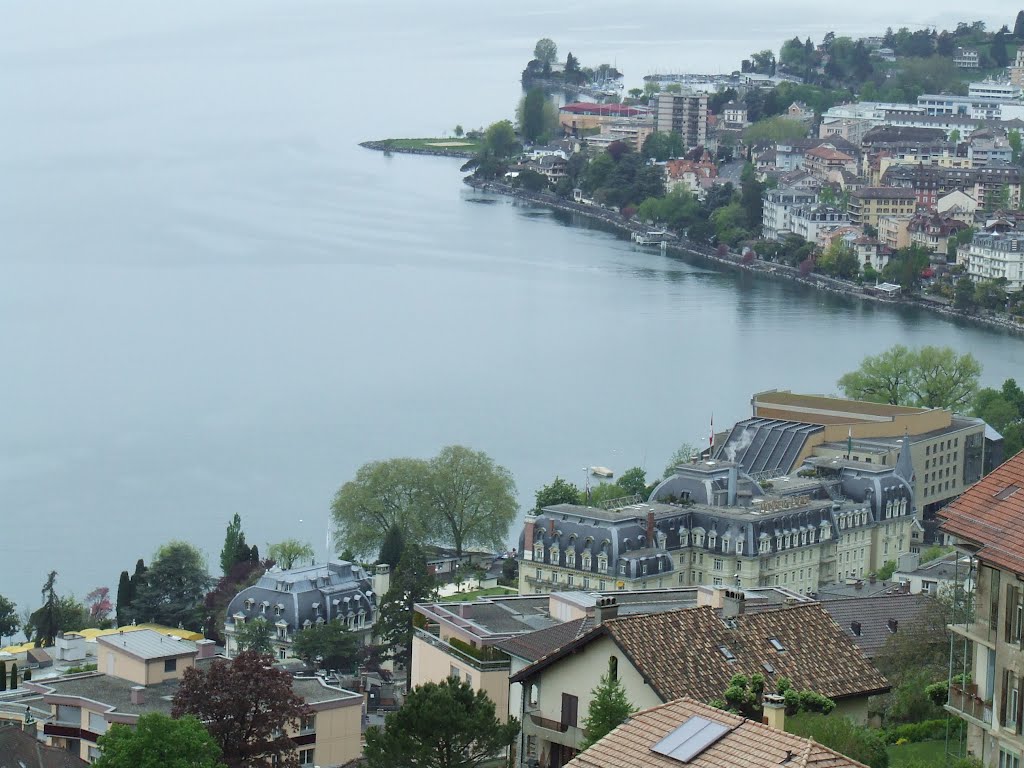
point(98, 604)
point(440, 725)
point(235, 550)
point(175, 586)
point(931, 377)
point(609, 708)
point(290, 552)
point(392, 548)
point(158, 741)
point(46, 621)
point(215, 604)
point(1018, 26)
point(545, 51)
point(633, 481)
point(14, 676)
point(254, 636)
point(471, 498)
point(382, 495)
point(963, 294)
point(997, 50)
point(3, 676)
point(412, 582)
point(123, 600)
point(248, 708)
point(9, 621)
point(1014, 139)
point(558, 491)
point(327, 646)
point(684, 453)
point(531, 121)
point(842, 735)
point(458, 131)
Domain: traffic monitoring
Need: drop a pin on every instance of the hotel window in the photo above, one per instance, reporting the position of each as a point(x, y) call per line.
point(719, 563)
point(307, 724)
point(602, 563)
point(538, 551)
point(570, 558)
point(453, 672)
point(586, 561)
point(586, 583)
point(1008, 759)
point(306, 756)
point(622, 568)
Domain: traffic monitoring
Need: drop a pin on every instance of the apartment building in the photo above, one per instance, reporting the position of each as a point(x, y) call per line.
point(894, 231)
point(777, 208)
point(685, 114)
point(994, 255)
point(966, 58)
point(932, 231)
point(581, 117)
point(869, 204)
point(986, 687)
point(293, 600)
point(811, 222)
point(140, 672)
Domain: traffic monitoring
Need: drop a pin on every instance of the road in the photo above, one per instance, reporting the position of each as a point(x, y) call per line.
point(731, 172)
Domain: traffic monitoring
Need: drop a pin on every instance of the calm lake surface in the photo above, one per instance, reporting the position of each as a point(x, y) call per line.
point(212, 301)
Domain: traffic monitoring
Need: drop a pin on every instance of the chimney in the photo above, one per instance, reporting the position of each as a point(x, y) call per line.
point(138, 695)
point(733, 479)
point(855, 627)
point(205, 649)
point(893, 625)
point(381, 580)
point(774, 711)
point(528, 527)
point(732, 603)
point(650, 528)
point(872, 578)
point(859, 584)
point(605, 609)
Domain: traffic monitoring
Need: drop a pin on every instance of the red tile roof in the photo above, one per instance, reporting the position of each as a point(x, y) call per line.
point(990, 515)
point(588, 108)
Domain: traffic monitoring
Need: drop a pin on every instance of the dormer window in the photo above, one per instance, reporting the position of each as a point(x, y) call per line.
point(586, 561)
point(712, 540)
point(277, 609)
point(622, 568)
point(249, 603)
point(570, 558)
point(739, 547)
point(263, 607)
point(602, 563)
point(554, 554)
point(316, 609)
point(538, 551)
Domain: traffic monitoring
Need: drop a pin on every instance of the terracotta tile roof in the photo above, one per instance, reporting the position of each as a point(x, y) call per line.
point(989, 515)
point(22, 750)
point(747, 743)
point(681, 652)
point(535, 645)
point(873, 616)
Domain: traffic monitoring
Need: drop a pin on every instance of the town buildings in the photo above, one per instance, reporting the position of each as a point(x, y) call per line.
point(867, 205)
point(778, 207)
point(685, 114)
point(140, 672)
point(580, 118)
point(986, 687)
point(995, 255)
point(301, 597)
point(966, 58)
point(692, 652)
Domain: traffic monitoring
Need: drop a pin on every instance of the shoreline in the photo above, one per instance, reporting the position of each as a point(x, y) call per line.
point(387, 145)
point(766, 268)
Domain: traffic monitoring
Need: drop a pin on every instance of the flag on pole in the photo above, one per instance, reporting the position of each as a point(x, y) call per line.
point(849, 443)
point(711, 436)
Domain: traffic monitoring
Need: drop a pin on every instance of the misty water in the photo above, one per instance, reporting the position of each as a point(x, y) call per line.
point(212, 301)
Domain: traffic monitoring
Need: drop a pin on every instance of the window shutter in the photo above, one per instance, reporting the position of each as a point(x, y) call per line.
point(1003, 697)
point(1020, 707)
point(1008, 620)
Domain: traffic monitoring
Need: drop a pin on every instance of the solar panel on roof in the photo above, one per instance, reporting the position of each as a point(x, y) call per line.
point(690, 739)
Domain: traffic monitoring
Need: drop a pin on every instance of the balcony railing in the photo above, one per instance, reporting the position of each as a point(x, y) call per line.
point(964, 700)
point(463, 656)
point(551, 725)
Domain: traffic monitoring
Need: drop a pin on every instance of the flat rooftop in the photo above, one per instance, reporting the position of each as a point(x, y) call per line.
point(853, 408)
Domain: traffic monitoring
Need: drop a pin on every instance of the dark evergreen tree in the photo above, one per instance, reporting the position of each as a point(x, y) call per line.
point(234, 540)
point(14, 675)
point(411, 583)
point(138, 580)
point(3, 675)
point(46, 621)
point(1018, 26)
point(998, 48)
point(254, 554)
point(124, 598)
point(392, 548)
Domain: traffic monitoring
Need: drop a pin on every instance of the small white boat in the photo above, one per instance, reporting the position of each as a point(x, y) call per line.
point(601, 472)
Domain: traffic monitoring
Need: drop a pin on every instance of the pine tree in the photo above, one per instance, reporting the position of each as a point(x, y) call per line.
point(48, 622)
point(254, 554)
point(391, 549)
point(14, 675)
point(3, 675)
point(1018, 27)
point(609, 707)
point(233, 540)
point(124, 597)
point(411, 583)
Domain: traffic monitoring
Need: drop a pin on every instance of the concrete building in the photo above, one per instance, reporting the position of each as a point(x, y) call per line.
point(994, 255)
point(685, 114)
point(894, 231)
point(692, 652)
point(1016, 70)
point(777, 209)
point(811, 222)
point(933, 230)
point(823, 160)
point(966, 58)
point(986, 686)
point(301, 597)
point(994, 89)
point(580, 118)
point(140, 673)
point(946, 450)
point(867, 205)
point(937, 577)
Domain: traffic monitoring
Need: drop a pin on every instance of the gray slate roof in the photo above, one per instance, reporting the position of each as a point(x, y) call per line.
point(148, 644)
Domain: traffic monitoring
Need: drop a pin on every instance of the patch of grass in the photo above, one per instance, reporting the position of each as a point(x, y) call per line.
point(922, 752)
point(462, 146)
point(489, 592)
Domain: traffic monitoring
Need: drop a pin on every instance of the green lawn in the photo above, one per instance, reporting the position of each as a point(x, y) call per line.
point(489, 592)
point(448, 144)
point(924, 752)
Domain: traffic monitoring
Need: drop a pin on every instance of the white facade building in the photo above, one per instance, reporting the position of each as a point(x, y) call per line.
point(994, 255)
point(776, 220)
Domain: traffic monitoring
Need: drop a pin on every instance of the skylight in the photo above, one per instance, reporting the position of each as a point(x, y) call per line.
point(1007, 492)
point(724, 650)
point(690, 739)
point(776, 644)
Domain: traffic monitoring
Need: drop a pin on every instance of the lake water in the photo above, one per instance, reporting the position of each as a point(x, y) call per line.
point(212, 301)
